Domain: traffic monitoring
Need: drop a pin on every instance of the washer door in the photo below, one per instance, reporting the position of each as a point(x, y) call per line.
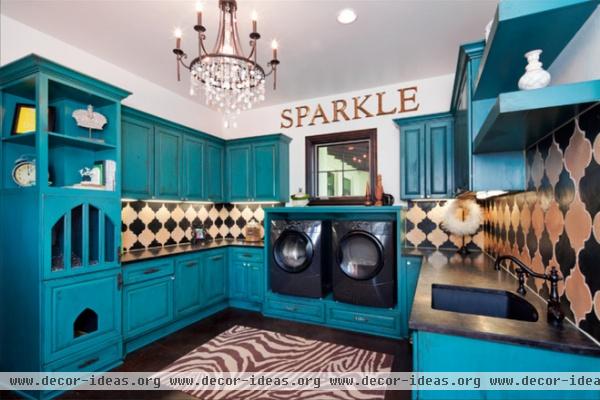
point(360, 255)
point(293, 251)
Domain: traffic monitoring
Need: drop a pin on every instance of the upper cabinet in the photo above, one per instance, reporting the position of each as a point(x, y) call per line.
point(166, 161)
point(258, 169)
point(426, 163)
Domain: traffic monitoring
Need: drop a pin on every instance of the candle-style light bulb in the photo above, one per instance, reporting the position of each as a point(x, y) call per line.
point(199, 9)
point(274, 46)
point(254, 20)
point(178, 33)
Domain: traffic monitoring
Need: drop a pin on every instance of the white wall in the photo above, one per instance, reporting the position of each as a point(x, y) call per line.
point(580, 59)
point(18, 40)
point(433, 96)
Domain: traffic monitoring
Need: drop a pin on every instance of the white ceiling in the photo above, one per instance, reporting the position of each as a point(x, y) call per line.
point(391, 41)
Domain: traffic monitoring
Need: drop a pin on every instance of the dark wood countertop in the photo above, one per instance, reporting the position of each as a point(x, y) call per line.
point(477, 270)
point(144, 255)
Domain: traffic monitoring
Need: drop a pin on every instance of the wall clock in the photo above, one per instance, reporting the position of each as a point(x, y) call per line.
point(23, 172)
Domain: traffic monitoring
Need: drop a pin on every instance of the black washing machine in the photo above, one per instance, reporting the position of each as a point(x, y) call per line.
point(364, 270)
point(299, 251)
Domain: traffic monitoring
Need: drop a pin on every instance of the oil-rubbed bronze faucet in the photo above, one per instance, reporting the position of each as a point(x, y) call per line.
point(555, 314)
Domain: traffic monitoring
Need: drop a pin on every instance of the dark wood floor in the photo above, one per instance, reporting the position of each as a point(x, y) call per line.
point(161, 353)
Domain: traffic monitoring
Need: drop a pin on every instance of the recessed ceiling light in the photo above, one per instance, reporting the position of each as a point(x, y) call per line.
point(346, 16)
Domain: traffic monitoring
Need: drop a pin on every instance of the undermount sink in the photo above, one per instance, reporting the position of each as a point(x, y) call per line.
point(487, 302)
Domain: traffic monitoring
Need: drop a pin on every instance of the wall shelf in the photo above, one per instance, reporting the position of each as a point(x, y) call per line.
point(519, 119)
point(27, 139)
point(57, 139)
point(521, 26)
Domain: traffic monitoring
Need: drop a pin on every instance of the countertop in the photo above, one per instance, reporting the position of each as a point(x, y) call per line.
point(142, 255)
point(477, 270)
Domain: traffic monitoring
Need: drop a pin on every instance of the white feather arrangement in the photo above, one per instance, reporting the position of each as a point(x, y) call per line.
point(462, 223)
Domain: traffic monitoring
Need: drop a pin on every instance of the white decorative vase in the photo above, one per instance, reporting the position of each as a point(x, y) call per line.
point(535, 76)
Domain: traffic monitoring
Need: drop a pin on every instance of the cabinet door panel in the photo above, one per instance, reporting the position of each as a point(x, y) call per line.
point(215, 277)
point(438, 159)
point(412, 161)
point(239, 172)
point(255, 282)
point(193, 168)
point(188, 290)
point(214, 172)
point(238, 281)
point(147, 305)
point(137, 144)
point(168, 163)
point(265, 170)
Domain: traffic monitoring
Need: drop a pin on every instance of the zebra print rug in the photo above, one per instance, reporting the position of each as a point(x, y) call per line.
point(244, 349)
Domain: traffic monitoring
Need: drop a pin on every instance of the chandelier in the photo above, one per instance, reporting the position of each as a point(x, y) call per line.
point(230, 81)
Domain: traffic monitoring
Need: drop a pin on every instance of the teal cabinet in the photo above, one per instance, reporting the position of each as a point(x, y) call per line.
point(258, 169)
point(246, 278)
point(412, 265)
point(239, 172)
point(216, 277)
point(189, 285)
point(426, 151)
point(193, 169)
point(137, 142)
point(168, 162)
point(214, 166)
point(147, 305)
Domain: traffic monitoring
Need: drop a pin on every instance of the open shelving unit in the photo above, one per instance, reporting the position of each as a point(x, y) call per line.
point(521, 26)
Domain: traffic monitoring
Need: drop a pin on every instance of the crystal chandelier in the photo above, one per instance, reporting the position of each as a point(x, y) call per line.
point(230, 81)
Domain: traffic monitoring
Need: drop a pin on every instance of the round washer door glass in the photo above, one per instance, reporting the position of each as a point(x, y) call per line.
point(360, 255)
point(293, 251)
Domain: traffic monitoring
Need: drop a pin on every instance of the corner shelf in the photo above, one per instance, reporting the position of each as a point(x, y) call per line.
point(519, 119)
point(27, 139)
point(521, 26)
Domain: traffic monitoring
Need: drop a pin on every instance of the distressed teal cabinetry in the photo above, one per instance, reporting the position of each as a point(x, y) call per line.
point(258, 169)
point(147, 305)
point(412, 265)
point(426, 157)
point(247, 278)
point(500, 170)
point(436, 352)
point(216, 274)
point(138, 158)
point(189, 285)
point(193, 169)
point(60, 293)
point(214, 167)
point(167, 163)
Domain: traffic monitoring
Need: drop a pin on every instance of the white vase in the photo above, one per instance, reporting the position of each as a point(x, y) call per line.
point(535, 76)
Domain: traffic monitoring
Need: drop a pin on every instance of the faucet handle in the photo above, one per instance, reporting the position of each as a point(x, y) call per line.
point(521, 275)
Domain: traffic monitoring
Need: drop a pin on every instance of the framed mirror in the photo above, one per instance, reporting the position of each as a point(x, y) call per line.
point(340, 165)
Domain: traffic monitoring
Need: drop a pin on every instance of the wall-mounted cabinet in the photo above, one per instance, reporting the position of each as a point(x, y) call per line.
point(166, 161)
point(258, 169)
point(426, 157)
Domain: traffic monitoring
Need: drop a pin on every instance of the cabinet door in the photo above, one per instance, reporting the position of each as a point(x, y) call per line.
point(137, 158)
point(413, 268)
point(147, 306)
point(439, 164)
point(215, 277)
point(168, 163)
point(193, 168)
point(462, 143)
point(412, 155)
point(239, 173)
point(256, 281)
point(188, 286)
point(238, 281)
point(265, 170)
point(214, 172)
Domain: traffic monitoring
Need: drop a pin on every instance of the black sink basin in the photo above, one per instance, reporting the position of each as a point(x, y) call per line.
point(488, 302)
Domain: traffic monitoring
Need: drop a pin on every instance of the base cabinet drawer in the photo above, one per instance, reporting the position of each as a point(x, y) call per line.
point(147, 306)
point(300, 310)
point(144, 271)
point(95, 360)
point(362, 320)
point(247, 255)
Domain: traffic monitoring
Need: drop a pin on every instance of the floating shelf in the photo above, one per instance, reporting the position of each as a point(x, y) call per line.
point(57, 139)
point(521, 26)
point(519, 119)
point(27, 139)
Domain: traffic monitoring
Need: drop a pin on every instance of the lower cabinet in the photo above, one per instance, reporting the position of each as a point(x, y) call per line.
point(147, 306)
point(294, 308)
point(189, 285)
point(215, 272)
point(247, 278)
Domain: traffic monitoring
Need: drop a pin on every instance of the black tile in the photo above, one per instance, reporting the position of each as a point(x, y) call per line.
point(154, 226)
point(546, 248)
point(589, 122)
point(532, 242)
point(170, 242)
point(229, 222)
point(427, 226)
point(154, 206)
point(137, 246)
point(184, 224)
point(154, 243)
point(170, 224)
point(563, 135)
point(137, 226)
point(589, 188)
point(589, 263)
point(520, 238)
point(170, 206)
point(564, 192)
point(137, 205)
point(591, 324)
point(565, 255)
